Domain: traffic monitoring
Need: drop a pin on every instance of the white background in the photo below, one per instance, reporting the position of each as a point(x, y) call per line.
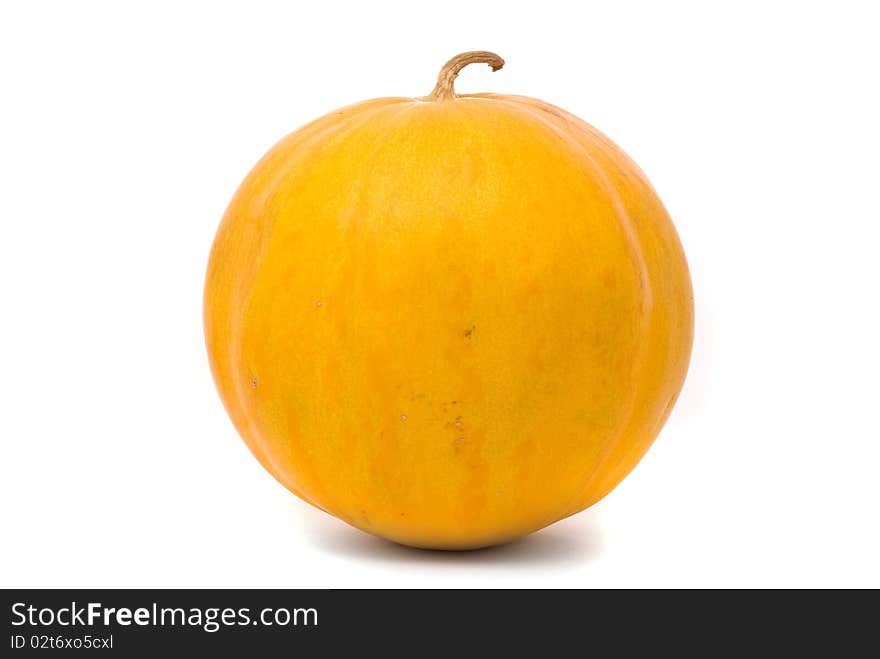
point(124, 130)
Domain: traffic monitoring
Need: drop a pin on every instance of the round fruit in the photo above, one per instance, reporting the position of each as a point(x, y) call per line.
point(449, 321)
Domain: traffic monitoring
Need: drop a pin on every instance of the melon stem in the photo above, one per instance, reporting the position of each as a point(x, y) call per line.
point(444, 90)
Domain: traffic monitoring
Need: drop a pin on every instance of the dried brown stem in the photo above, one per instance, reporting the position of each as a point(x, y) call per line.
point(444, 89)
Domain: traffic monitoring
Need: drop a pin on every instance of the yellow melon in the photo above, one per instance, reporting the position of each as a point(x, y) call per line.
point(448, 320)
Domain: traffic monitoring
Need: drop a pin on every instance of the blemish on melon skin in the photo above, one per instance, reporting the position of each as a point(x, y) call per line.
point(403, 417)
point(469, 331)
point(319, 303)
point(253, 383)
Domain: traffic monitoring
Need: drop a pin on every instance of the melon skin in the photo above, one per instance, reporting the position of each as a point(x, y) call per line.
point(448, 323)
